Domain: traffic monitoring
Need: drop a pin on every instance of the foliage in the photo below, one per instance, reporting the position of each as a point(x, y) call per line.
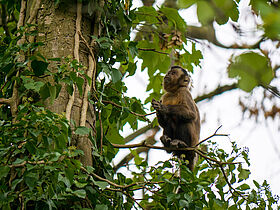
point(39, 166)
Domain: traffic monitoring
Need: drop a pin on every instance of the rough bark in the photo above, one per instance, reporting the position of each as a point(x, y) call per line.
point(57, 29)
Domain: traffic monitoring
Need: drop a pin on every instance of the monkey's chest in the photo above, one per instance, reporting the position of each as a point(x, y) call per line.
point(171, 100)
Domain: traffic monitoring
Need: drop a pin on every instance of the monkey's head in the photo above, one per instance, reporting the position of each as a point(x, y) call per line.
point(175, 78)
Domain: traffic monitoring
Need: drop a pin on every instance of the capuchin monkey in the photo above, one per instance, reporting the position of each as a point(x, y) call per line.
point(178, 115)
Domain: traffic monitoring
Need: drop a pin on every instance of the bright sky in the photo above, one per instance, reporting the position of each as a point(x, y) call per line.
point(262, 138)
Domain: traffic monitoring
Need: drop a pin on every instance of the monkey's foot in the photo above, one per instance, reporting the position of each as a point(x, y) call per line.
point(178, 144)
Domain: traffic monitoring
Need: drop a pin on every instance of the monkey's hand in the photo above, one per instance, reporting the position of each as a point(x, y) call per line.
point(158, 106)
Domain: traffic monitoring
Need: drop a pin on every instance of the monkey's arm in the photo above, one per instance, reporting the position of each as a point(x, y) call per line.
point(161, 115)
point(182, 111)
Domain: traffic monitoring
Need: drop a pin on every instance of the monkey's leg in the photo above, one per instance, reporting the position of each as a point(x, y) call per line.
point(166, 142)
point(176, 143)
point(185, 155)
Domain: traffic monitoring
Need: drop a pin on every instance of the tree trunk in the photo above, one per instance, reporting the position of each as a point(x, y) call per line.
point(60, 28)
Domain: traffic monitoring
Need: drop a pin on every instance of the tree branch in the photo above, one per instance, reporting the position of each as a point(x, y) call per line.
point(208, 33)
point(150, 140)
point(153, 50)
point(219, 90)
point(134, 113)
point(195, 148)
point(215, 134)
point(139, 132)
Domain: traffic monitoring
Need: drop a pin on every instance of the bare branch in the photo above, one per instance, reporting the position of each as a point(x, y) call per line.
point(208, 33)
point(134, 113)
point(139, 132)
point(153, 50)
point(215, 134)
point(219, 90)
point(130, 156)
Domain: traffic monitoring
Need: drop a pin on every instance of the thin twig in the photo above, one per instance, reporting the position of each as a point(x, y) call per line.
point(103, 179)
point(134, 113)
point(133, 199)
point(153, 50)
point(229, 184)
point(215, 134)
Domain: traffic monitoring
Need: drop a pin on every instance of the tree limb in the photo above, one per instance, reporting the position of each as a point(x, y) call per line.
point(150, 140)
point(139, 132)
point(219, 90)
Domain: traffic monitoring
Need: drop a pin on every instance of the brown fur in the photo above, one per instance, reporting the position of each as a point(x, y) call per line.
point(178, 114)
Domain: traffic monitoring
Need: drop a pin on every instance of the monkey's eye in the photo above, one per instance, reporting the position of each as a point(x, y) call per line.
point(173, 72)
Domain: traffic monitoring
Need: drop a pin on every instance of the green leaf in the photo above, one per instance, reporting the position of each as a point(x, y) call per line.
point(39, 67)
point(174, 17)
point(138, 160)
point(69, 172)
point(31, 180)
point(101, 207)
point(186, 3)
point(101, 184)
point(148, 14)
point(205, 12)
point(82, 131)
point(79, 184)
point(44, 91)
point(155, 83)
point(244, 187)
point(133, 49)
point(30, 84)
point(251, 69)
point(256, 184)
point(243, 174)
point(80, 193)
point(80, 82)
point(116, 75)
point(131, 69)
point(52, 91)
point(31, 147)
point(113, 135)
point(270, 16)
point(227, 9)
point(183, 203)
point(4, 170)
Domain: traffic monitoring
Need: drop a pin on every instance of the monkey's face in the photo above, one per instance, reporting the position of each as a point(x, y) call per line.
point(174, 79)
